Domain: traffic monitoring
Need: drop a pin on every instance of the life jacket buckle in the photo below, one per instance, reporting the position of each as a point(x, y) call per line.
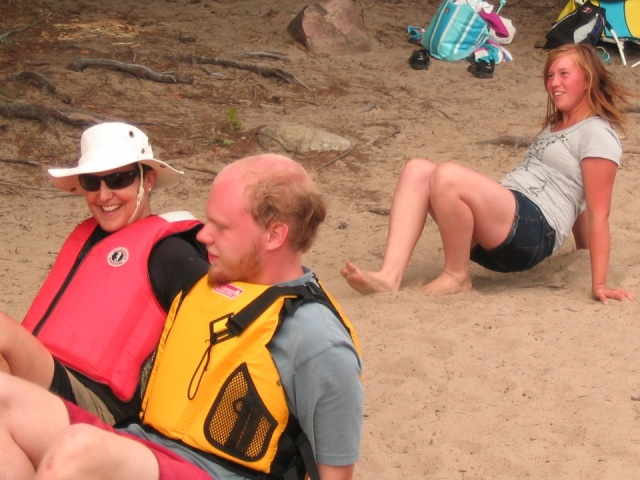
point(224, 334)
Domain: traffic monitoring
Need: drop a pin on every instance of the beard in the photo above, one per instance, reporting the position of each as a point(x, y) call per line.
point(245, 268)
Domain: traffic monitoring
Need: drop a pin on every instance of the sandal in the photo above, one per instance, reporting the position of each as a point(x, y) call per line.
point(482, 68)
point(419, 59)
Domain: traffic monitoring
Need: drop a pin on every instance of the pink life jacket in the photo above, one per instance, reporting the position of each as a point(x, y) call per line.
point(106, 321)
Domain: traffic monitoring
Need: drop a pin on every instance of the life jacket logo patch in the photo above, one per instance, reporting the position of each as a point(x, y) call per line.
point(118, 257)
point(228, 290)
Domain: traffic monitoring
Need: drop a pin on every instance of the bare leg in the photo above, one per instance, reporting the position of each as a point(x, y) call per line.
point(30, 420)
point(37, 441)
point(22, 355)
point(89, 453)
point(407, 218)
point(469, 209)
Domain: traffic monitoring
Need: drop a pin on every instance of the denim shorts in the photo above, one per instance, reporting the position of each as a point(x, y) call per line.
point(530, 241)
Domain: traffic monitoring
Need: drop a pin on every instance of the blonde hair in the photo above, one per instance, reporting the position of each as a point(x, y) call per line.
point(286, 193)
point(606, 95)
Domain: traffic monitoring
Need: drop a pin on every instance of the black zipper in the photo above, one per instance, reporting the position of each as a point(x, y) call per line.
point(89, 244)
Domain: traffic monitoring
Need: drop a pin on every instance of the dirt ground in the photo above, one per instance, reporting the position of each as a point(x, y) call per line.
point(525, 377)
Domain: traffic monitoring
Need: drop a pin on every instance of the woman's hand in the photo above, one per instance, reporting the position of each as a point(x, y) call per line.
point(603, 294)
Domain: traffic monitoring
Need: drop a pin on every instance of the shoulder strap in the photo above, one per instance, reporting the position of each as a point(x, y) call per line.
point(240, 321)
point(243, 319)
point(304, 447)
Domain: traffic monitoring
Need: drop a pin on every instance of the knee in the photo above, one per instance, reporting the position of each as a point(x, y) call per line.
point(418, 170)
point(445, 178)
point(75, 453)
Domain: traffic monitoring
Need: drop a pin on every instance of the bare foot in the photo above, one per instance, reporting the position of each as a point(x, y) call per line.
point(365, 282)
point(447, 284)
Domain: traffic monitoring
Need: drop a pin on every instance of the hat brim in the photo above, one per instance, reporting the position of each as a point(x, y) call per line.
point(66, 179)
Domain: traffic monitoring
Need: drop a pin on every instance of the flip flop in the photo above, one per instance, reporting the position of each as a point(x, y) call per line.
point(419, 59)
point(482, 68)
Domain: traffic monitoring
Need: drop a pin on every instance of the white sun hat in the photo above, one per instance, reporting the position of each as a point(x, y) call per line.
point(111, 145)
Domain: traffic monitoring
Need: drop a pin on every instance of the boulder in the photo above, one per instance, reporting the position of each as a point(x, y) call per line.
point(295, 138)
point(332, 27)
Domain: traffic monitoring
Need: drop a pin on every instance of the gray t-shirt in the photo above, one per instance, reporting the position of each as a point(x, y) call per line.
point(320, 371)
point(550, 175)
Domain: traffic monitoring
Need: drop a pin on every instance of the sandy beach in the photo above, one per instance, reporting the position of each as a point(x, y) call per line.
point(525, 377)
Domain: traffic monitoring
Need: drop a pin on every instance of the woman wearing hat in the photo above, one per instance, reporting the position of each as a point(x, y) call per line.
point(99, 314)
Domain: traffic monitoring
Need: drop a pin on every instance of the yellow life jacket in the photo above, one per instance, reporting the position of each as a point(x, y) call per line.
point(214, 385)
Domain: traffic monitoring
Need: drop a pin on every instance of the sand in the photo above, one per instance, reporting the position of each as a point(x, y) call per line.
point(524, 377)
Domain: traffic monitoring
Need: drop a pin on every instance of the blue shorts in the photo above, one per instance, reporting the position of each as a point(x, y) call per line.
point(530, 241)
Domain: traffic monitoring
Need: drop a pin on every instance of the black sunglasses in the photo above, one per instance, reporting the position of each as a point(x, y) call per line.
point(114, 181)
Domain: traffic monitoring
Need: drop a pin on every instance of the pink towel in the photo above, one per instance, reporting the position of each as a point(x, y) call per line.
point(495, 22)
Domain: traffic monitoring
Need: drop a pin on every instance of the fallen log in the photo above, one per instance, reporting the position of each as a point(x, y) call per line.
point(135, 69)
point(45, 114)
point(4, 37)
point(44, 84)
point(252, 67)
point(264, 71)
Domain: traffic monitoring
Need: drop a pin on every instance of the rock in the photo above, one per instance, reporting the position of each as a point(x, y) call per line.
point(332, 27)
point(295, 138)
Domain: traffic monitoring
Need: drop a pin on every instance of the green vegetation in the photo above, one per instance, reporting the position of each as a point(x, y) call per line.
point(233, 122)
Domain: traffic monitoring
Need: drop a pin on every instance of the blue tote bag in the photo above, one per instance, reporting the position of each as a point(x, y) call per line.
point(455, 31)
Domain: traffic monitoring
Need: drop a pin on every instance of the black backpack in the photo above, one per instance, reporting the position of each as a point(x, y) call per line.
point(584, 25)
